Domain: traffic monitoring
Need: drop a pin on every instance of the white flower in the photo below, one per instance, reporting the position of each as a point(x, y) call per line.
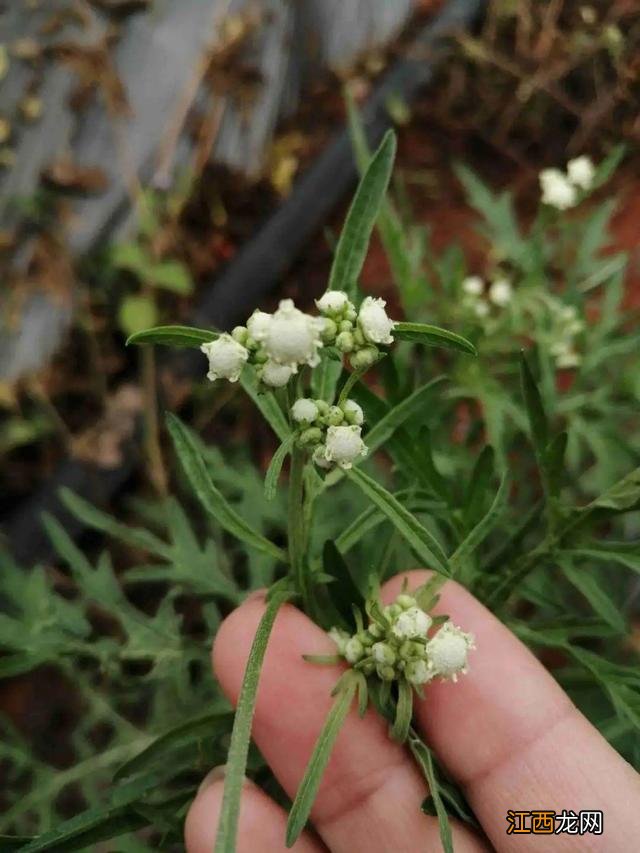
point(293, 337)
point(581, 172)
point(258, 325)
point(481, 309)
point(344, 445)
point(500, 292)
point(353, 650)
point(226, 358)
point(567, 359)
point(418, 672)
point(557, 190)
point(375, 324)
point(448, 649)
point(383, 654)
point(353, 412)
point(410, 624)
point(473, 285)
point(332, 302)
point(304, 411)
point(276, 375)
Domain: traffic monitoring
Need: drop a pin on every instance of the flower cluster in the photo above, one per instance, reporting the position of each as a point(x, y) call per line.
point(562, 190)
point(397, 644)
point(279, 344)
point(332, 434)
point(479, 299)
point(567, 325)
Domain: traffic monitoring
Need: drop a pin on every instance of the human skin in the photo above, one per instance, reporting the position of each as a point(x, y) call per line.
point(506, 732)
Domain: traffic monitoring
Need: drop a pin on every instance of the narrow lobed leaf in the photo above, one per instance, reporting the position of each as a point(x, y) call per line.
point(173, 336)
point(433, 336)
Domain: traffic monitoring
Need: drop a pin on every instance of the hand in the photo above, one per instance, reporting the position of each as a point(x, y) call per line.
point(506, 732)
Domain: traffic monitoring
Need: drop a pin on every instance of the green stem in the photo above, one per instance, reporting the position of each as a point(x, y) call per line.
point(297, 525)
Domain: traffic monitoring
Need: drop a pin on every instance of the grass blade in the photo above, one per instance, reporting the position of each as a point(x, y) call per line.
point(423, 543)
point(482, 529)
point(433, 336)
point(173, 336)
point(211, 498)
point(354, 239)
point(308, 789)
point(241, 732)
point(423, 756)
point(411, 405)
point(275, 467)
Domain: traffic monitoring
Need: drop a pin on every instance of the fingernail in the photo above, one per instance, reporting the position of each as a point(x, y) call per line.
point(216, 775)
point(257, 595)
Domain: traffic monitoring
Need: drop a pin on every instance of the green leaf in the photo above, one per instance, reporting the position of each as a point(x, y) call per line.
point(422, 754)
point(211, 498)
point(87, 829)
point(137, 312)
point(416, 535)
point(265, 401)
point(553, 462)
point(132, 257)
point(344, 593)
point(622, 496)
point(93, 517)
point(608, 555)
point(325, 378)
point(433, 336)
point(586, 583)
point(241, 733)
point(483, 528)
point(535, 410)
point(354, 239)
point(173, 336)
point(173, 276)
point(404, 712)
point(308, 789)
point(411, 405)
point(203, 727)
point(275, 467)
point(479, 484)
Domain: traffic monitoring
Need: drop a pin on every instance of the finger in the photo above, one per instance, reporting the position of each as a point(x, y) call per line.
point(513, 739)
point(261, 828)
point(371, 792)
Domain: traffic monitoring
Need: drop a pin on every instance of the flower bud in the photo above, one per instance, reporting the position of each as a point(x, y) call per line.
point(226, 358)
point(375, 631)
point(323, 406)
point(353, 650)
point(240, 334)
point(276, 375)
point(353, 412)
point(383, 654)
point(345, 326)
point(373, 320)
point(304, 411)
point(364, 358)
point(351, 314)
point(334, 416)
point(333, 302)
point(340, 638)
point(319, 457)
point(311, 436)
point(417, 672)
point(329, 331)
point(411, 623)
point(405, 601)
point(258, 325)
point(386, 673)
point(345, 342)
point(392, 611)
